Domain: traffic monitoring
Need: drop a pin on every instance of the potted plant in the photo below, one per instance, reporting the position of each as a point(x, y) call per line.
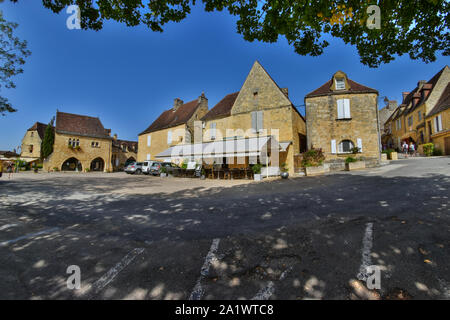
point(284, 171)
point(203, 174)
point(313, 162)
point(256, 168)
point(352, 163)
point(163, 172)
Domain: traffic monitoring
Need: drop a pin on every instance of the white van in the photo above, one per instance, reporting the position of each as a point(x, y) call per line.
point(147, 164)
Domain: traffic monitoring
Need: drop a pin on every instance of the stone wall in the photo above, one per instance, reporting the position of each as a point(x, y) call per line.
point(85, 155)
point(31, 138)
point(322, 124)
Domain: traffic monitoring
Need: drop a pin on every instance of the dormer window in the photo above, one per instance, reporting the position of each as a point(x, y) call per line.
point(340, 84)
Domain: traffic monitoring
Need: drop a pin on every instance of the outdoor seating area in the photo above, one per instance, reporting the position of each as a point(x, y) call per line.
point(213, 172)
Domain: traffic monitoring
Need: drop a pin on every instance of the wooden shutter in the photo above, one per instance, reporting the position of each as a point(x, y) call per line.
point(347, 108)
point(333, 146)
point(340, 109)
point(148, 156)
point(254, 121)
point(439, 121)
point(359, 144)
point(169, 137)
point(149, 140)
point(259, 121)
point(212, 130)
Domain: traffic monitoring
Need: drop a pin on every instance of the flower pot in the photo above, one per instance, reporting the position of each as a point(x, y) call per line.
point(257, 177)
point(314, 171)
point(284, 175)
point(358, 165)
point(393, 156)
point(163, 175)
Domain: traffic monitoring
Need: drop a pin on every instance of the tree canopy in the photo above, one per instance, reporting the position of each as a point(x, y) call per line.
point(49, 140)
point(13, 52)
point(415, 27)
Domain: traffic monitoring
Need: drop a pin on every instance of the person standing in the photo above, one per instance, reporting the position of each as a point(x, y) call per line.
point(10, 169)
point(412, 149)
point(405, 148)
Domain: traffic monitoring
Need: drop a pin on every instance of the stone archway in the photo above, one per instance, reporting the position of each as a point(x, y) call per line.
point(98, 164)
point(130, 160)
point(72, 164)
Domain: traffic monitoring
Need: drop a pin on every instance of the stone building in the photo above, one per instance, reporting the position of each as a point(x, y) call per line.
point(123, 152)
point(172, 127)
point(413, 121)
point(260, 109)
point(32, 141)
point(81, 144)
point(340, 115)
point(438, 120)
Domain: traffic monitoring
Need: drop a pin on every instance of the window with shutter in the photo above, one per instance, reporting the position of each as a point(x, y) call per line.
point(259, 122)
point(333, 146)
point(212, 130)
point(149, 140)
point(169, 137)
point(359, 144)
point(340, 84)
point(340, 109)
point(148, 156)
point(347, 109)
point(439, 123)
point(254, 121)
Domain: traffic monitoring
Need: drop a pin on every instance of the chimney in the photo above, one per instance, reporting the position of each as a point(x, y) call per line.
point(177, 102)
point(115, 136)
point(404, 96)
point(426, 89)
point(285, 91)
point(202, 97)
point(420, 84)
point(416, 99)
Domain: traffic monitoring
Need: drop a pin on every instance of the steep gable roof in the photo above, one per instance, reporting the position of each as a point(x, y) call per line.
point(76, 124)
point(354, 87)
point(222, 108)
point(171, 118)
point(432, 82)
point(40, 128)
point(443, 102)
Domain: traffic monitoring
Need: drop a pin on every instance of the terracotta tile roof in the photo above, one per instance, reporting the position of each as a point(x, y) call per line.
point(223, 108)
point(443, 102)
point(40, 128)
point(325, 89)
point(171, 118)
point(431, 83)
point(9, 154)
point(76, 124)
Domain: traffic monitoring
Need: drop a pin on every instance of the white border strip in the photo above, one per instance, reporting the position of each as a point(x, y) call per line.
point(114, 271)
point(198, 290)
point(27, 236)
point(366, 259)
point(268, 291)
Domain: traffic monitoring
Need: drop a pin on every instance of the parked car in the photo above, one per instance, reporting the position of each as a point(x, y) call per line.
point(146, 165)
point(155, 169)
point(134, 168)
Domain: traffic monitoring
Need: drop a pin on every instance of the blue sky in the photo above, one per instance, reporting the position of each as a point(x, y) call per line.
point(128, 76)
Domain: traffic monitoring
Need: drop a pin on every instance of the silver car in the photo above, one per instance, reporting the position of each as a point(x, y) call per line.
point(134, 168)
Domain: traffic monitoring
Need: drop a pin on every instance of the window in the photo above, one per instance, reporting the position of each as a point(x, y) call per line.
point(429, 128)
point(148, 156)
point(212, 131)
point(343, 109)
point(31, 148)
point(257, 121)
point(149, 140)
point(169, 137)
point(438, 123)
point(340, 84)
point(398, 124)
point(346, 146)
point(333, 146)
point(410, 121)
point(419, 115)
point(70, 142)
point(78, 143)
point(32, 134)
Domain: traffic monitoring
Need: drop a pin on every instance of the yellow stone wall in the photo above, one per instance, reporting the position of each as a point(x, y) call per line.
point(31, 138)
point(323, 126)
point(159, 142)
point(438, 138)
point(87, 153)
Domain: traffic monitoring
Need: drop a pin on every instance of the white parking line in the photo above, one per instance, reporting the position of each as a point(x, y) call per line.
point(7, 226)
point(366, 252)
point(114, 271)
point(198, 291)
point(268, 291)
point(27, 236)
